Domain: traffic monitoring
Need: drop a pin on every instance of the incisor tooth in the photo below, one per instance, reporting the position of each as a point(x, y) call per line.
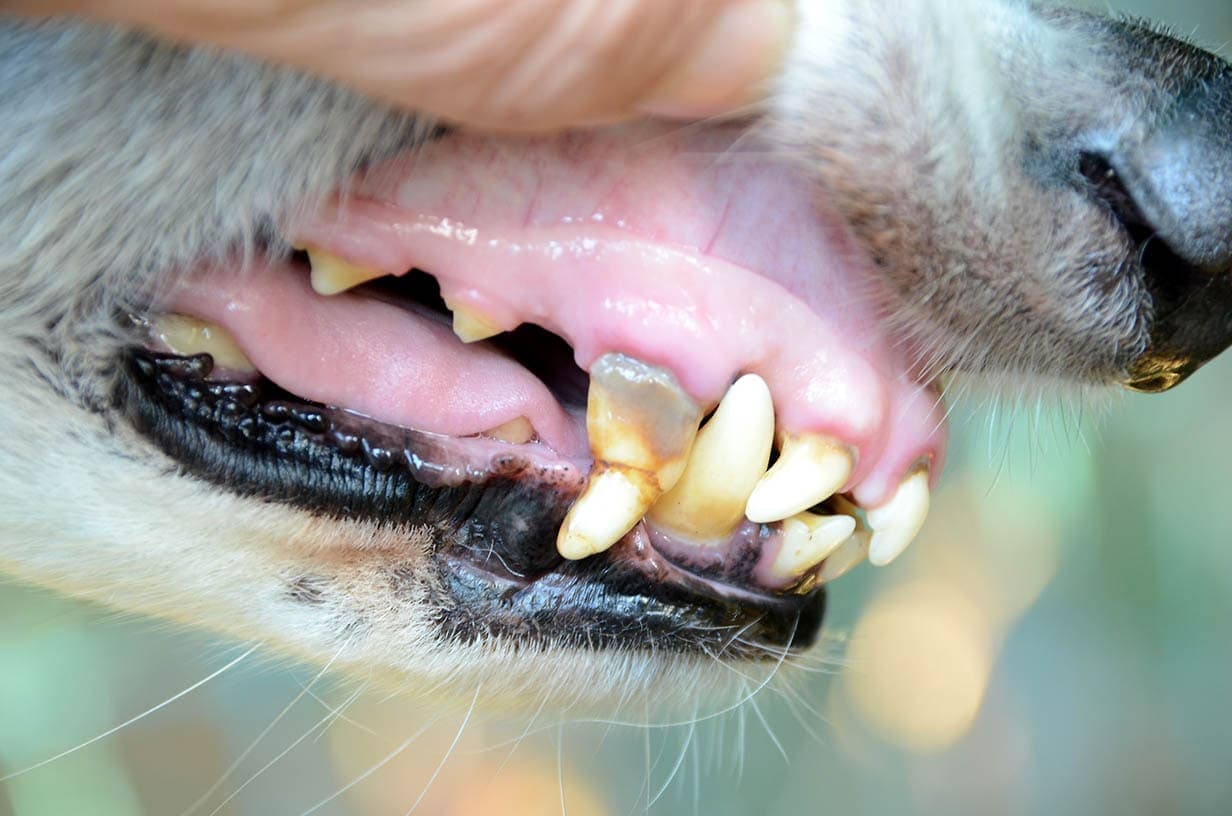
point(332, 275)
point(728, 457)
point(845, 558)
point(810, 469)
point(469, 325)
point(896, 523)
point(187, 336)
point(808, 539)
point(517, 431)
point(641, 425)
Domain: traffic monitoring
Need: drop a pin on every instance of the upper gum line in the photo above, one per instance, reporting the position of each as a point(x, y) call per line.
point(603, 288)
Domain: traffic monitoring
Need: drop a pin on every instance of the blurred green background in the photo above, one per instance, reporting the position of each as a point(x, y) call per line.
point(1059, 642)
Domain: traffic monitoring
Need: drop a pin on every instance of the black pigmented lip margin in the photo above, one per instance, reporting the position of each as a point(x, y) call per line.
point(498, 572)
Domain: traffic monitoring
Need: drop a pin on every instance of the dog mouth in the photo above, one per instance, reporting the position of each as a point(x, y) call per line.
point(629, 383)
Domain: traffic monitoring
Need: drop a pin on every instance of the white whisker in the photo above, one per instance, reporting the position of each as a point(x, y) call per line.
point(129, 721)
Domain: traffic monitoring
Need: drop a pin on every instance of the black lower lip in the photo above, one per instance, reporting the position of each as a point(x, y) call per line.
point(601, 603)
point(493, 542)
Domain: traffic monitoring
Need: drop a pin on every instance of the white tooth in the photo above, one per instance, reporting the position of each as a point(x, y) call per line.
point(728, 457)
point(332, 275)
point(641, 425)
point(809, 470)
point(896, 523)
point(846, 557)
point(187, 336)
point(809, 539)
point(613, 502)
point(517, 431)
point(469, 325)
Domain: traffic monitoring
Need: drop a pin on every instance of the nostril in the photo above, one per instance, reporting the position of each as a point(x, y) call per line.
point(1105, 184)
point(1169, 276)
point(1179, 175)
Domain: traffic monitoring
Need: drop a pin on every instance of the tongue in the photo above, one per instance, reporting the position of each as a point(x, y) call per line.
point(678, 248)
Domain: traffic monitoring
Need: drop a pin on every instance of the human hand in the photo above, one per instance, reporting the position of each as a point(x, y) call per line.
point(498, 64)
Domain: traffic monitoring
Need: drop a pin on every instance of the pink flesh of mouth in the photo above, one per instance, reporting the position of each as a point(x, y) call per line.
point(676, 248)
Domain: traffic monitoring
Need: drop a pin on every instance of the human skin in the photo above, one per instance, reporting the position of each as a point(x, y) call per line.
point(494, 64)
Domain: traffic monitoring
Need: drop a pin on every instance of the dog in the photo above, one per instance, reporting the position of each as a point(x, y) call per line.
point(647, 390)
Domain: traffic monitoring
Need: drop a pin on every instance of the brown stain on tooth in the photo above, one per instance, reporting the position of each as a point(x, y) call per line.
point(641, 425)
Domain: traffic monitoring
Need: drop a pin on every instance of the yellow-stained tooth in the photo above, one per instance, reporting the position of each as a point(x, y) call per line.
point(846, 557)
point(641, 425)
point(469, 325)
point(517, 431)
point(729, 456)
point(896, 523)
point(187, 336)
point(807, 540)
point(332, 275)
point(809, 470)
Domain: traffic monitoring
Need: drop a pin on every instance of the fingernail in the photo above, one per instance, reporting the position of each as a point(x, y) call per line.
point(731, 65)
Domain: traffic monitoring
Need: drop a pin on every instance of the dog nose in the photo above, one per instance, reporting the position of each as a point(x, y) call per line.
point(1179, 181)
point(1177, 200)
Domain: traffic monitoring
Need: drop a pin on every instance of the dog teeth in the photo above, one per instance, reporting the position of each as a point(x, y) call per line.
point(808, 540)
point(809, 470)
point(332, 275)
point(469, 325)
point(846, 557)
point(642, 425)
point(728, 457)
point(896, 523)
point(187, 336)
point(517, 431)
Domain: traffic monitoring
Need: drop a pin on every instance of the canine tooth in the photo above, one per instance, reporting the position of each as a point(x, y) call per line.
point(641, 425)
point(469, 325)
point(517, 431)
point(810, 469)
point(845, 558)
point(896, 523)
point(186, 336)
point(332, 275)
point(728, 457)
point(808, 539)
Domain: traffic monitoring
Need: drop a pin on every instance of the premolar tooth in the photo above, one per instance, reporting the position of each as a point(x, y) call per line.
point(641, 425)
point(187, 336)
point(517, 431)
point(332, 275)
point(469, 325)
point(809, 470)
point(896, 523)
point(846, 557)
point(808, 539)
point(728, 457)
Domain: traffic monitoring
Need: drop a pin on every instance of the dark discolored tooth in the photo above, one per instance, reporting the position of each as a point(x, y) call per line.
point(642, 425)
